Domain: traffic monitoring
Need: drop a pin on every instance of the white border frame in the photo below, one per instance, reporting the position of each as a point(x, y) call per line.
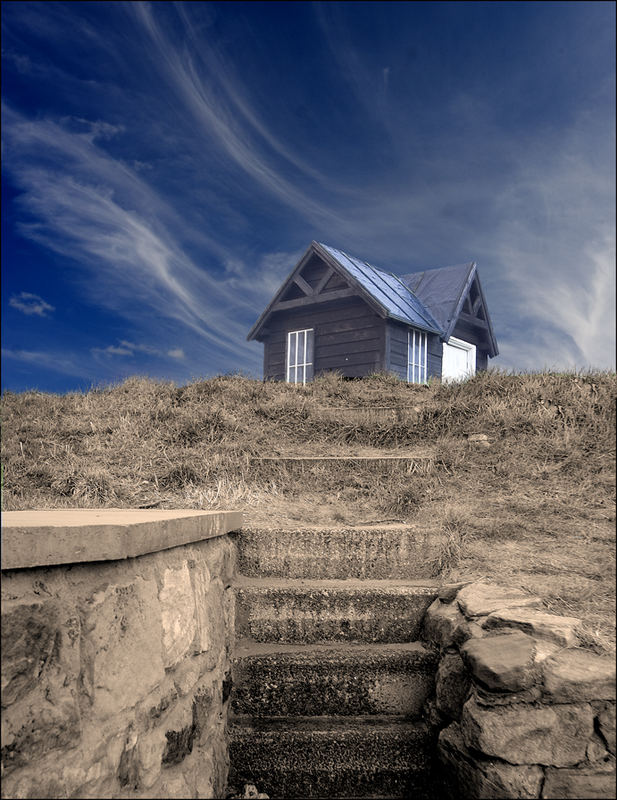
point(411, 347)
point(471, 358)
point(304, 363)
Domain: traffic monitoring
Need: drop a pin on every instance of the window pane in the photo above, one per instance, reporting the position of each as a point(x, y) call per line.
point(309, 372)
point(300, 359)
point(310, 345)
point(292, 349)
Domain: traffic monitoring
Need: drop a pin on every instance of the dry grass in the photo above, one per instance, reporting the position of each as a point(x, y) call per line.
point(535, 506)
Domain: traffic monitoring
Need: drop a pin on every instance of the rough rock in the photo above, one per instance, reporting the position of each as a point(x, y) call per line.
point(529, 734)
point(448, 591)
point(480, 599)
point(605, 718)
point(580, 784)
point(201, 586)
point(441, 623)
point(178, 611)
point(186, 675)
point(209, 639)
point(29, 633)
point(501, 663)
point(579, 675)
point(124, 629)
point(40, 672)
point(484, 779)
point(596, 750)
point(561, 630)
point(150, 749)
point(452, 686)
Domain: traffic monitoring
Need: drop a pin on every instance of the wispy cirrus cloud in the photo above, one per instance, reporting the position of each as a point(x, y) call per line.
point(221, 110)
point(132, 349)
point(30, 304)
point(82, 203)
point(56, 361)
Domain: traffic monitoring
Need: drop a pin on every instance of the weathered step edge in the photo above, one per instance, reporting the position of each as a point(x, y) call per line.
point(332, 679)
point(382, 551)
point(318, 611)
point(332, 757)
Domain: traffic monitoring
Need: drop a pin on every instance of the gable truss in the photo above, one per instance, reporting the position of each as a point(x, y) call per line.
point(472, 310)
point(343, 286)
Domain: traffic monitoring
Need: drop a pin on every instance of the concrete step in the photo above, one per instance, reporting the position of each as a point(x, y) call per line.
point(370, 551)
point(327, 466)
point(272, 680)
point(332, 757)
point(303, 611)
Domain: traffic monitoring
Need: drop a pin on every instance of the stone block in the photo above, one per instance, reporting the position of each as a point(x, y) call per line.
point(70, 776)
point(579, 675)
point(480, 599)
point(529, 734)
point(221, 555)
point(501, 663)
point(40, 671)
point(177, 604)
point(209, 639)
point(605, 719)
point(484, 779)
point(587, 783)
point(173, 785)
point(441, 623)
point(179, 727)
point(186, 675)
point(29, 634)
point(123, 660)
point(201, 587)
point(207, 705)
point(448, 591)
point(149, 750)
point(452, 685)
point(596, 750)
point(229, 620)
point(561, 630)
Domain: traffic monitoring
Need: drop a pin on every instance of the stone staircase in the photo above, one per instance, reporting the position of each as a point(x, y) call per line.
point(329, 680)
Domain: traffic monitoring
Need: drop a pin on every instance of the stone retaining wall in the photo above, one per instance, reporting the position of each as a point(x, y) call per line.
point(522, 711)
point(115, 674)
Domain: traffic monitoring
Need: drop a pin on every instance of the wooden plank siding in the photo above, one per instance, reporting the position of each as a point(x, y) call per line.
point(397, 356)
point(349, 337)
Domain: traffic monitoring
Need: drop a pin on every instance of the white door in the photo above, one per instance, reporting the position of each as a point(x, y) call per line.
point(459, 360)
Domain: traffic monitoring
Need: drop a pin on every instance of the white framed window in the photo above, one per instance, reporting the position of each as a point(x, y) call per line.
point(300, 347)
point(459, 360)
point(416, 357)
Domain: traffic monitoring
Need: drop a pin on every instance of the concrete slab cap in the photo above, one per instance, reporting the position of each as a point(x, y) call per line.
point(71, 535)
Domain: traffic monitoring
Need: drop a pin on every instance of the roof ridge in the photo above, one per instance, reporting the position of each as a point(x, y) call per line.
point(407, 297)
point(430, 319)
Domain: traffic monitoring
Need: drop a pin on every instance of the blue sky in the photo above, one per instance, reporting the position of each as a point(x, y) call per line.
point(165, 165)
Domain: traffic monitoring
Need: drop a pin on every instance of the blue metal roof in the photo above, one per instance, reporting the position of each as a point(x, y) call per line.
point(397, 299)
point(440, 289)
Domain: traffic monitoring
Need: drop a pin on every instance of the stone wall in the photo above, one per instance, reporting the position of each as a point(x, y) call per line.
point(523, 711)
point(115, 675)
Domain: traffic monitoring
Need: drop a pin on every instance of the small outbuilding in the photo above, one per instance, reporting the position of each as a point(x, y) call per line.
point(336, 312)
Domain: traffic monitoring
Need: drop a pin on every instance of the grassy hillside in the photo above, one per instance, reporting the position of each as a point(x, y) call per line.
point(534, 505)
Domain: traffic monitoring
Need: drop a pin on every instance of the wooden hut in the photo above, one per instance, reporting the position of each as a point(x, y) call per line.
point(336, 312)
